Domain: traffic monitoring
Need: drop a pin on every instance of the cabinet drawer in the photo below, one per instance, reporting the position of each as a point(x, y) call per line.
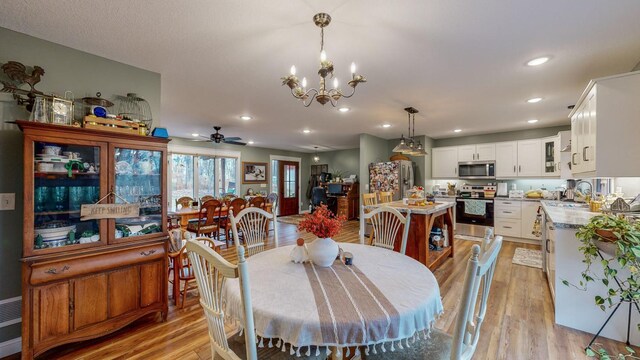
point(507, 204)
point(508, 227)
point(46, 271)
point(508, 213)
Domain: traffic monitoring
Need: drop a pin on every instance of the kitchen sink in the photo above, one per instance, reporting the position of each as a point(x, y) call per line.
point(576, 205)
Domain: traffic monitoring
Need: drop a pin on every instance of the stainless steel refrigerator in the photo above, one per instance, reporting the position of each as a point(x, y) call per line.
point(394, 176)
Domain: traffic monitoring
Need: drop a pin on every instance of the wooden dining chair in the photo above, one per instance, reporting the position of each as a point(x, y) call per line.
point(385, 196)
point(368, 199)
point(206, 198)
point(258, 202)
point(208, 221)
point(386, 222)
point(211, 271)
point(184, 201)
point(183, 269)
point(471, 312)
point(236, 205)
point(252, 222)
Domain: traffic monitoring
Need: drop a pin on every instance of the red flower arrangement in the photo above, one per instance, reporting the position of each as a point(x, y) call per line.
point(322, 223)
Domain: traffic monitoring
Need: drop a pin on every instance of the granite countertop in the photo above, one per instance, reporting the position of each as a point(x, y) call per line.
point(564, 216)
point(400, 206)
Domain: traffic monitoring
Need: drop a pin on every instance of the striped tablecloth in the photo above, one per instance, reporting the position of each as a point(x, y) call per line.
point(383, 301)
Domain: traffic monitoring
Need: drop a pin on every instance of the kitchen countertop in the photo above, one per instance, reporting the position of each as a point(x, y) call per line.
point(400, 206)
point(516, 199)
point(564, 216)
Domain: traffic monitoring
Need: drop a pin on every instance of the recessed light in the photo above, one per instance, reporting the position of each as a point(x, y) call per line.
point(532, 121)
point(344, 109)
point(250, 142)
point(246, 117)
point(534, 100)
point(457, 130)
point(195, 135)
point(538, 61)
point(306, 131)
point(386, 125)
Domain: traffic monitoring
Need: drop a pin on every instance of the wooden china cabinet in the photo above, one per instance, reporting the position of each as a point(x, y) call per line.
point(85, 278)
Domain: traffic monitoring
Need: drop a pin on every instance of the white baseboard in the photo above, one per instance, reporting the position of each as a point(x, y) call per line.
point(10, 347)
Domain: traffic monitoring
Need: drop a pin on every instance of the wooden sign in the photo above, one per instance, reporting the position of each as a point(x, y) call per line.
point(109, 211)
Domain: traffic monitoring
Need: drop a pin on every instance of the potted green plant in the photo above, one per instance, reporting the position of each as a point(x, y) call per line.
point(618, 238)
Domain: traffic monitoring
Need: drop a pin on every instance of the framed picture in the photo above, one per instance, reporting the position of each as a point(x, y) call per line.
point(254, 172)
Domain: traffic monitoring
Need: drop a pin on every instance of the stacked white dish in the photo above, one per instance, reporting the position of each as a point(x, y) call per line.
point(56, 236)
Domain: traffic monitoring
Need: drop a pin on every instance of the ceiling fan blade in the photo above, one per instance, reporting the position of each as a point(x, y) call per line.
point(234, 142)
point(233, 138)
point(200, 140)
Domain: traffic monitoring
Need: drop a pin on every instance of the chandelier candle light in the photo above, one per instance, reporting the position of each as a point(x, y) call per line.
point(322, 94)
point(409, 146)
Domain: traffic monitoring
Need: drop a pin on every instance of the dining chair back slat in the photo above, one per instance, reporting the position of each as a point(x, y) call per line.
point(253, 222)
point(386, 222)
point(211, 271)
point(477, 282)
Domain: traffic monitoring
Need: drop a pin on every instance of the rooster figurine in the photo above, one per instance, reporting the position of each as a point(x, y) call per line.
point(18, 75)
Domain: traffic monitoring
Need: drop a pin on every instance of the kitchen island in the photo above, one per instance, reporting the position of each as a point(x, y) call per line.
point(575, 307)
point(423, 219)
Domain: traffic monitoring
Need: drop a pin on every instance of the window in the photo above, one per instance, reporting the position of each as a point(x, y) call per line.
point(193, 174)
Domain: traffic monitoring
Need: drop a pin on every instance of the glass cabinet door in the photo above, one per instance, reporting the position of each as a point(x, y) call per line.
point(65, 176)
point(138, 180)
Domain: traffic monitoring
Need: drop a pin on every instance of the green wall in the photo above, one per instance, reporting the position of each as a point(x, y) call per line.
point(501, 136)
point(345, 161)
point(372, 149)
point(65, 69)
point(258, 154)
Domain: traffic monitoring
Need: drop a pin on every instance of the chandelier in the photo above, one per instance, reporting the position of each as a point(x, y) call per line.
point(316, 157)
point(409, 146)
point(322, 94)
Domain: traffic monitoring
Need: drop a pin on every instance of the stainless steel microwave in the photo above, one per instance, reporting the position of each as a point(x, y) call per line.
point(477, 170)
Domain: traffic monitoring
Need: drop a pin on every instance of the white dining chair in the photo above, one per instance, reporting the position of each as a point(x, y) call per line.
point(253, 223)
point(211, 270)
point(386, 222)
point(462, 344)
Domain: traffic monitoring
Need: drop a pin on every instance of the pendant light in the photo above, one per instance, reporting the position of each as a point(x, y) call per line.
point(409, 146)
point(316, 158)
point(403, 146)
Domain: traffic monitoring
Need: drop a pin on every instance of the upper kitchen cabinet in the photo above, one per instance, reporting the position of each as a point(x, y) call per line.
point(480, 152)
point(605, 128)
point(506, 159)
point(551, 155)
point(529, 158)
point(445, 162)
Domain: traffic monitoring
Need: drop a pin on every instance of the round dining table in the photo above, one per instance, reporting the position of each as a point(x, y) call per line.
point(384, 301)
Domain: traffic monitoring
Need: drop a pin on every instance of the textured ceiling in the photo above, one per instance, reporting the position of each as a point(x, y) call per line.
point(460, 62)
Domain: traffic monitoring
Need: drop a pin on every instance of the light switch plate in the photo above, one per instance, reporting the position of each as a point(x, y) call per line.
point(8, 201)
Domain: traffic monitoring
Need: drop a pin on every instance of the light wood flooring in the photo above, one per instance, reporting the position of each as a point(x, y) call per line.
point(519, 322)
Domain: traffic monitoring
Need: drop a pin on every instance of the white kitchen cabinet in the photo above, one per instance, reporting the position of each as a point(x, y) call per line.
point(550, 257)
point(605, 128)
point(506, 159)
point(444, 163)
point(529, 158)
point(467, 153)
point(486, 152)
point(515, 218)
point(479, 152)
point(528, 213)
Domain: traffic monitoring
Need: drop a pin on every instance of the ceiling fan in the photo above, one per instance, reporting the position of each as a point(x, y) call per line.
point(218, 138)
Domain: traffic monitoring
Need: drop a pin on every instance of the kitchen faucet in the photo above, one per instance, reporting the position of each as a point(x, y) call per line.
point(588, 183)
